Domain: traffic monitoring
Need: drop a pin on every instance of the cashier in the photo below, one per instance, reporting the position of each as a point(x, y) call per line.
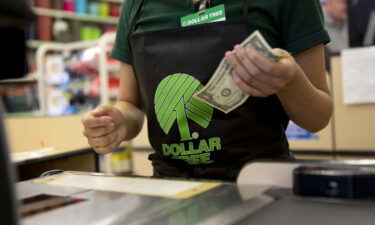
point(164, 64)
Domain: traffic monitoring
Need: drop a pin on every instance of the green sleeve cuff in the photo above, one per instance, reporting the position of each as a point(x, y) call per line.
point(122, 56)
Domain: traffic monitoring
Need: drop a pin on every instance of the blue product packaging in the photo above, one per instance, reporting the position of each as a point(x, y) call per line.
point(81, 6)
point(93, 8)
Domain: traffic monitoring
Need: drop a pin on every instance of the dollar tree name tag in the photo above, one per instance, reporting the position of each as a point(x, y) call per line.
point(210, 15)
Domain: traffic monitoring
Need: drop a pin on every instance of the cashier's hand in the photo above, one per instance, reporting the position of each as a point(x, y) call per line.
point(257, 75)
point(104, 128)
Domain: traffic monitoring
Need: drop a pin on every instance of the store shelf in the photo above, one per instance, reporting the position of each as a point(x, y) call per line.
point(23, 114)
point(27, 79)
point(33, 44)
point(75, 16)
point(114, 1)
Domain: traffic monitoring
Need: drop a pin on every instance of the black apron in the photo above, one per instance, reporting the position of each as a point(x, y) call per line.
point(190, 138)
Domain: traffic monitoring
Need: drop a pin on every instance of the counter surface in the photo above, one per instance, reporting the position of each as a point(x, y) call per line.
point(224, 203)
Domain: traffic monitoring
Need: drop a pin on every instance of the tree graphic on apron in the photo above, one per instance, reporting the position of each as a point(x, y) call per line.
point(174, 104)
point(173, 101)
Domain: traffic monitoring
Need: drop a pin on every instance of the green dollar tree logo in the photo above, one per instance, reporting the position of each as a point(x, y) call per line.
point(173, 102)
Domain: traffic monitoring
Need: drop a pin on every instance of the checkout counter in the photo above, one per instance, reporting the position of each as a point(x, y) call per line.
point(262, 195)
point(40, 144)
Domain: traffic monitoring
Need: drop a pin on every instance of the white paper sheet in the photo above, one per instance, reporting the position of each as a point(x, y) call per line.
point(141, 186)
point(358, 75)
point(265, 174)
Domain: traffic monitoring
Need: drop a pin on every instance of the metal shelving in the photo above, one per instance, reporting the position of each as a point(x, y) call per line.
point(27, 79)
point(114, 1)
point(34, 44)
point(66, 48)
point(75, 16)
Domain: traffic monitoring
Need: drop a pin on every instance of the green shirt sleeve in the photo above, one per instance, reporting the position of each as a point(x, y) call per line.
point(121, 49)
point(303, 25)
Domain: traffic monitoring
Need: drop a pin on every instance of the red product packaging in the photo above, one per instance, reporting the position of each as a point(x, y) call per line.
point(68, 5)
point(43, 3)
point(115, 10)
point(44, 28)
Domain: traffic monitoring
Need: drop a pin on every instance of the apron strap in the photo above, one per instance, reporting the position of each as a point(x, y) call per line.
point(205, 3)
point(245, 10)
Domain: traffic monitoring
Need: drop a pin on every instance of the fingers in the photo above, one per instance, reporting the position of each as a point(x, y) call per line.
point(99, 131)
point(255, 74)
point(248, 88)
point(90, 121)
point(281, 52)
point(109, 111)
point(248, 76)
point(262, 62)
point(102, 110)
point(250, 71)
point(106, 149)
point(98, 117)
point(103, 141)
point(254, 69)
point(104, 144)
point(235, 62)
point(241, 65)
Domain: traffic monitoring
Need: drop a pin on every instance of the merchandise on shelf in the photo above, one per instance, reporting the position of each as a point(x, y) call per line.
point(55, 70)
point(119, 161)
point(43, 3)
point(73, 20)
point(19, 98)
point(93, 8)
point(44, 24)
point(58, 102)
point(104, 9)
point(68, 5)
point(114, 84)
point(115, 10)
point(57, 4)
point(90, 33)
point(113, 66)
point(81, 6)
point(74, 84)
point(61, 31)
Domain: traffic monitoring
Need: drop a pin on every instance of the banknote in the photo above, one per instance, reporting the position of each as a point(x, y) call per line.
point(221, 92)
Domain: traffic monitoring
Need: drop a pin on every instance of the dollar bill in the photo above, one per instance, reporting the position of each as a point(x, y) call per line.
point(221, 92)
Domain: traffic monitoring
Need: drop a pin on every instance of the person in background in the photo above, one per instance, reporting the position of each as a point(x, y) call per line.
point(336, 23)
point(15, 16)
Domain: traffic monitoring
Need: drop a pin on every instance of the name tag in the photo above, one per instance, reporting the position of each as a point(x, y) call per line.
point(210, 15)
